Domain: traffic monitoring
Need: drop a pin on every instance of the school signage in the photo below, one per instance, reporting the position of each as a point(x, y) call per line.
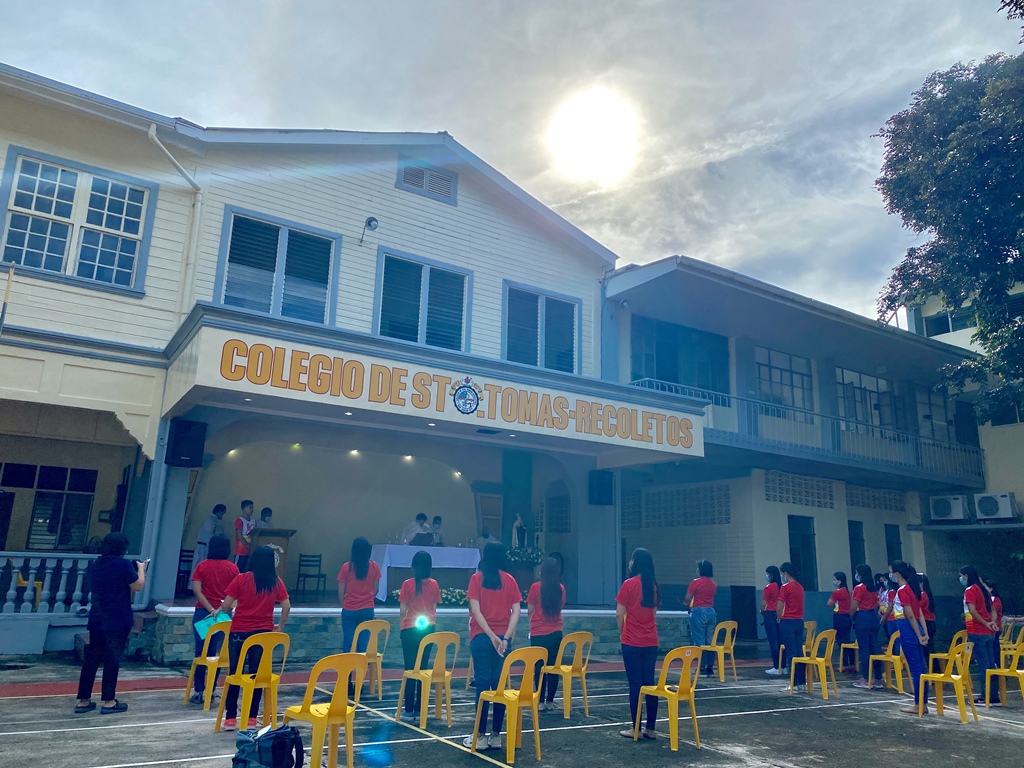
point(305, 372)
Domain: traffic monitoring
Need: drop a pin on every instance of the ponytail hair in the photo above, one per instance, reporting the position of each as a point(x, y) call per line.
point(491, 564)
point(360, 559)
point(643, 566)
point(421, 566)
point(550, 589)
point(864, 574)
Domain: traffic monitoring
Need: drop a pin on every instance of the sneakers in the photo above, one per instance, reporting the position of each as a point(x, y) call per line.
point(493, 741)
point(861, 684)
point(253, 723)
point(410, 717)
point(626, 733)
point(878, 685)
point(197, 698)
point(230, 724)
point(772, 671)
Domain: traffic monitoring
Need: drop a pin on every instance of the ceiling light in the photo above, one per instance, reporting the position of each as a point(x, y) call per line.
point(232, 452)
point(348, 413)
point(296, 445)
point(431, 424)
point(407, 458)
point(458, 474)
point(353, 452)
point(511, 435)
point(247, 399)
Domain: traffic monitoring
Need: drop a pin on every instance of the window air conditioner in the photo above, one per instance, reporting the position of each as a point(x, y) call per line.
point(995, 506)
point(948, 508)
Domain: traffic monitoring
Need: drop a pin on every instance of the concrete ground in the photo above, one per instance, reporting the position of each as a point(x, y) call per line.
point(749, 723)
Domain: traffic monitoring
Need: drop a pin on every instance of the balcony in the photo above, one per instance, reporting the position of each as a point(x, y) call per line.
point(756, 425)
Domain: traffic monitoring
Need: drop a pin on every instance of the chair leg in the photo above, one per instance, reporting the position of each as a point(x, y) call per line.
point(188, 684)
point(476, 726)
point(939, 702)
point(424, 704)
point(512, 733)
point(380, 679)
point(732, 660)
point(536, 730)
point(639, 713)
point(958, 691)
point(401, 699)
point(693, 716)
point(673, 725)
point(583, 685)
point(970, 696)
point(332, 755)
point(316, 743)
point(437, 700)
point(792, 674)
point(243, 710)
point(567, 696)
point(349, 727)
point(211, 675)
point(220, 708)
point(448, 699)
point(988, 687)
point(720, 653)
point(822, 678)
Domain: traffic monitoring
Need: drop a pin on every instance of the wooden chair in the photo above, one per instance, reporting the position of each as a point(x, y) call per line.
point(1010, 670)
point(515, 699)
point(438, 677)
point(183, 581)
point(338, 712)
point(820, 660)
point(723, 646)
point(844, 647)
point(265, 677)
point(941, 658)
point(891, 659)
point(309, 568)
point(582, 643)
point(212, 664)
point(683, 690)
point(374, 651)
point(958, 674)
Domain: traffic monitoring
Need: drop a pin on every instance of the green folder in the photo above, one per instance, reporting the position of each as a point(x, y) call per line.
point(203, 625)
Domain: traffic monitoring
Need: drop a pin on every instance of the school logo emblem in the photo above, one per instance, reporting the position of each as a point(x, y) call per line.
point(466, 395)
point(278, 553)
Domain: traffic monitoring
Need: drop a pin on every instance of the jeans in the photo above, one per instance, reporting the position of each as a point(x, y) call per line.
point(199, 683)
point(411, 638)
point(842, 623)
point(791, 635)
point(982, 654)
point(702, 632)
point(771, 630)
point(639, 662)
point(550, 643)
point(252, 663)
point(105, 647)
point(349, 621)
point(914, 654)
point(865, 625)
point(486, 673)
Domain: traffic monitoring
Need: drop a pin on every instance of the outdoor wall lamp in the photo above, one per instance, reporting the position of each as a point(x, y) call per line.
point(370, 224)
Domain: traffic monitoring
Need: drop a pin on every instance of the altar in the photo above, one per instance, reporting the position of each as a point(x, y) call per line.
point(400, 556)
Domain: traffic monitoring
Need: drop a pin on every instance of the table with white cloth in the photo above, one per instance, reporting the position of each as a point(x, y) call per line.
point(400, 556)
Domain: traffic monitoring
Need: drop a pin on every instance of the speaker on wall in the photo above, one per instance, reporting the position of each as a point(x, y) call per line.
point(601, 488)
point(185, 443)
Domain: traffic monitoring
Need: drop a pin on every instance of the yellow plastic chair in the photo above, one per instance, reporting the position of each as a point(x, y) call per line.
point(1010, 670)
point(515, 699)
point(843, 647)
point(810, 627)
point(330, 717)
point(265, 677)
point(213, 664)
point(22, 583)
point(892, 661)
point(1007, 650)
point(374, 651)
point(582, 643)
point(958, 674)
point(820, 660)
point(941, 658)
point(438, 677)
point(689, 669)
point(723, 646)
point(469, 672)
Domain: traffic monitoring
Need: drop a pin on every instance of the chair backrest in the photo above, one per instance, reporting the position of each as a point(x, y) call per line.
point(530, 657)
point(1006, 633)
point(220, 628)
point(1014, 660)
point(688, 656)
point(810, 627)
point(826, 639)
point(443, 641)
point(958, 639)
point(269, 642)
point(962, 659)
point(374, 627)
point(343, 665)
point(309, 565)
point(1020, 636)
point(890, 648)
point(185, 558)
point(728, 629)
point(582, 643)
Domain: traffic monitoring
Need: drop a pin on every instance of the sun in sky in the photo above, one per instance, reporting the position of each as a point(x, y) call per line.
point(594, 136)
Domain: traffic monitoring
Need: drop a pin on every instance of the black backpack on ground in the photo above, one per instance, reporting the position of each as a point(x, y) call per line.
point(268, 749)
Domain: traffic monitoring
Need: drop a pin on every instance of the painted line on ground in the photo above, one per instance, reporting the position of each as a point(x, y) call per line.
point(105, 727)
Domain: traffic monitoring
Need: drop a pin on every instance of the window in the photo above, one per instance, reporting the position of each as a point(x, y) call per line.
point(540, 330)
point(864, 401)
point(427, 180)
point(857, 554)
point(784, 380)
point(1007, 414)
point(279, 269)
point(61, 508)
point(423, 303)
point(947, 321)
point(66, 219)
point(934, 414)
point(893, 543)
point(679, 355)
point(801, 550)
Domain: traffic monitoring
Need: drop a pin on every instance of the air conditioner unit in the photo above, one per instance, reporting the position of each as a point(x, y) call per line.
point(948, 508)
point(995, 506)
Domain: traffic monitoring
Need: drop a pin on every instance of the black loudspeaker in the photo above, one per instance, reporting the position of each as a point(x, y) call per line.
point(601, 488)
point(185, 443)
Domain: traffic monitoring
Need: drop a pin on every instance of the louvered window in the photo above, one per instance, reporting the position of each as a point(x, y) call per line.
point(427, 180)
point(540, 330)
point(278, 270)
point(423, 303)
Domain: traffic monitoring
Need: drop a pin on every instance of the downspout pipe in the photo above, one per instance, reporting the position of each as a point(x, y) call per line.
point(185, 291)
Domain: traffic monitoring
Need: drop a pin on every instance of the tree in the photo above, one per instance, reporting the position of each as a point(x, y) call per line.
point(1014, 10)
point(954, 170)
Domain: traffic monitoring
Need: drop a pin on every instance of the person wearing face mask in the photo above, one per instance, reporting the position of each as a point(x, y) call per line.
point(791, 621)
point(981, 628)
point(864, 606)
point(910, 624)
point(842, 623)
point(769, 608)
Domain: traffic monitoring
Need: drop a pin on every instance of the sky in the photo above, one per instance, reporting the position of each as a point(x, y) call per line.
point(751, 121)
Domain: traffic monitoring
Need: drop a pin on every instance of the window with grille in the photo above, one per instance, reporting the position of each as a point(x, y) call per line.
point(61, 505)
point(557, 515)
point(423, 303)
point(864, 401)
point(66, 219)
point(785, 382)
point(803, 551)
point(893, 543)
point(876, 498)
point(428, 180)
point(679, 355)
point(631, 502)
point(279, 269)
point(672, 506)
point(934, 414)
point(803, 491)
point(540, 330)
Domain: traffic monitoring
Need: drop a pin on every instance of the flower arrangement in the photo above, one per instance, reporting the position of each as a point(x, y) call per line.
point(527, 557)
point(450, 597)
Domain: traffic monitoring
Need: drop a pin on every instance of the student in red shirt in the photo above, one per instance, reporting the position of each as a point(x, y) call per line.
point(544, 605)
point(494, 599)
point(244, 525)
point(842, 622)
point(635, 609)
point(417, 616)
point(770, 616)
point(252, 597)
point(864, 605)
point(209, 582)
point(357, 586)
point(981, 629)
point(886, 593)
point(928, 612)
point(906, 607)
point(700, 599)
point(791, 620)
point(997, 603)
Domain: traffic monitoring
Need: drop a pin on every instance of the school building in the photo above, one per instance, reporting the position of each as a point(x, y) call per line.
point(357, 327)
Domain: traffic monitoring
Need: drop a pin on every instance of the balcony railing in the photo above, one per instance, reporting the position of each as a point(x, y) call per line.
point(41, 582)
point(767, 426)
